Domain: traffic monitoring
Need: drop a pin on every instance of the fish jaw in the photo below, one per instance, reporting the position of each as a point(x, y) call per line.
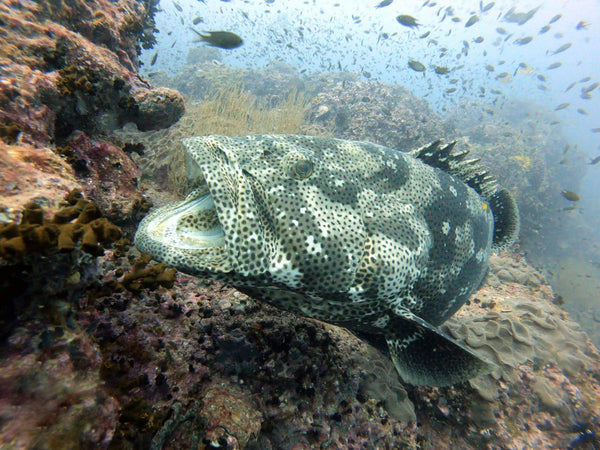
point(197, 235)
point(173, 234)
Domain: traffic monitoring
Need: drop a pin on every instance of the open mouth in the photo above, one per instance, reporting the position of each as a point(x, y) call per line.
point(190, 224)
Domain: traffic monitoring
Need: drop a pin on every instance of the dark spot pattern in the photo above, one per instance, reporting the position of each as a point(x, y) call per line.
point(347, 232)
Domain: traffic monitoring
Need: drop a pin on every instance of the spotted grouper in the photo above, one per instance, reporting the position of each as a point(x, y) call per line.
point(384, 243)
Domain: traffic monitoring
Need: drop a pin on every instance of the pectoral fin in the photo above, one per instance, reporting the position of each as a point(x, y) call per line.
point(423, 355)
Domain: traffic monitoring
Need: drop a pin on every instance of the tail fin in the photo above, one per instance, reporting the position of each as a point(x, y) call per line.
point(506, 218)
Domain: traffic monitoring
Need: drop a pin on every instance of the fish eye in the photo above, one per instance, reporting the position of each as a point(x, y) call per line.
point(302, 169)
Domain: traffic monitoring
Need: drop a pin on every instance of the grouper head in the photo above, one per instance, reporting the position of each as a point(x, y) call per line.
point(262, 211)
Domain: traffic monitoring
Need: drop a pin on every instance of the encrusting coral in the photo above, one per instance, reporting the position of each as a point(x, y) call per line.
point(79, 220)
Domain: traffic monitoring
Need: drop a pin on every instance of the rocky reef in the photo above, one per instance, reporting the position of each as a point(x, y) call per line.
point(71, 67)
point(201, 364)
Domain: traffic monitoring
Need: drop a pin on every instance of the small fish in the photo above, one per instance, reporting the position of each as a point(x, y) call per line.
point(450, 90)
point(594, 161)
point(524, 69)
point(582, 25)
point(487, 7)
point(489, 68)
point(545, 29)
point(564, 161)
point(424, 35)
point(582, 111)
point(504, 77)
point(478, 39)
point(541, 77)
point(154, 57)
point(591, 87)
point(501, 31)
point(562, 48)
point(407, 21)
point(555, 65)
point(571, 196)
point(518, 17)
point(416, 66)
point(222, 39)
point(384, 3)
point(571, 86)
point(523, 40)
point(197, 20)
point(562, 106)
point(472, 20)
point(595, 130)
point(177, 6)
point(555, 18)
point(441, 70)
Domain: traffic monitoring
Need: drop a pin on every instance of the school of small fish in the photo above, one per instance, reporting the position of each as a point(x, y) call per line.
point(444, 66)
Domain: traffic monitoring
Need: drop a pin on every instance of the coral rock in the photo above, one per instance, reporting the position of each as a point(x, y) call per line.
point(157, 108)
point(111, 176)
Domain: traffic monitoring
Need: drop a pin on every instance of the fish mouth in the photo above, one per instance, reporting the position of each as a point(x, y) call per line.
point(218, 227)
point(190, 224)
point(186, 234)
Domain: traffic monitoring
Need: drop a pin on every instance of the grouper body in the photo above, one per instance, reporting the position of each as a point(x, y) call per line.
point(384, 243)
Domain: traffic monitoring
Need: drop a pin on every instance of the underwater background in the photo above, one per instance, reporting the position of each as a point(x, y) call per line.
point(104, 348)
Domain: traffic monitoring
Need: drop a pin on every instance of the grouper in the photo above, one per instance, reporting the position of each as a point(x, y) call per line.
point(386, 244)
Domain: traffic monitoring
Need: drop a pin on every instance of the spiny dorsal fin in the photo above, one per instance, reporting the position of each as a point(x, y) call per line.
point(469, 171)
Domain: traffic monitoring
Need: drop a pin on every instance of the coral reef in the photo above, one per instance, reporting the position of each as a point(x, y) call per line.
point(66, 404)
point(45, 258)
point(32, 173)
point(376, 112)
point(78, 221)
point(71, 66)
point(109, 176)
point(175, 361)
point(341, 104)
point(205, 74)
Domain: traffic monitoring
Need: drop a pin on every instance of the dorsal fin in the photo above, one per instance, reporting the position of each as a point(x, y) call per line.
point(469, 171)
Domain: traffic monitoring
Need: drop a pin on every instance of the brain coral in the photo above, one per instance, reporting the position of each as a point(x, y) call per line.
point(542, 356)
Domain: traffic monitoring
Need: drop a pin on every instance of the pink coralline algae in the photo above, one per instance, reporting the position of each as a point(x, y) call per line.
point(72, 66)
point(109, 176)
